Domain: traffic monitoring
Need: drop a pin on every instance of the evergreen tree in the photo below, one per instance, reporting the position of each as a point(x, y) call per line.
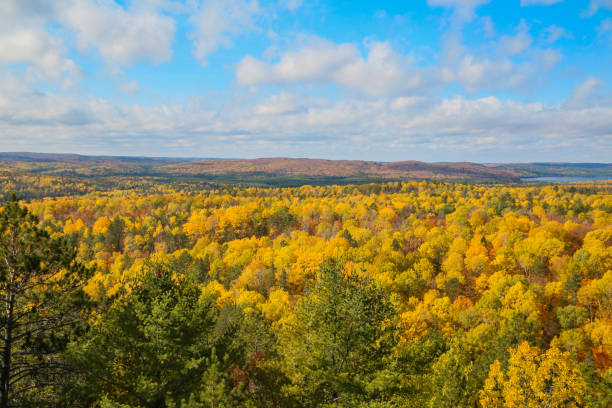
point(40, 286)
point(158, 344)
point(338, 348)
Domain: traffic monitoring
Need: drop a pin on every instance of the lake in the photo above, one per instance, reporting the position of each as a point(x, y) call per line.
point(564, 179)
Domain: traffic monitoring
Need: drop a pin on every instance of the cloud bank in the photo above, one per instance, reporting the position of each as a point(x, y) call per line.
point(69, 82)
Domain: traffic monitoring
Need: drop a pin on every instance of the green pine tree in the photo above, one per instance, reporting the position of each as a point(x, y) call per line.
point(338, 350)
point(40, 287)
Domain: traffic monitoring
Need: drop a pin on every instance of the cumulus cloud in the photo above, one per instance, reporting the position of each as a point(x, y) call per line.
point(404, 127)
point(475, 73)
point(399, 117)
point(506, 63)
point(595, 6)
point(35, 46)
point(488, 27)
point(585, 94)
point(291, 5)
point(218, 21)
point(463, 10)
point(518, 43)
point(279, 104)
point(129, 87)
point(553, 33)
point(22, 105)
point(509, 63)
point(605, 28)
point(409, 103)
point(539, 2)
point(121, 35)
point(316, 62)
point(381, 72)
point(23, 39)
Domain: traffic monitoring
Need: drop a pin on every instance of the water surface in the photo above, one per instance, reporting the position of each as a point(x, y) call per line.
point(564, 179)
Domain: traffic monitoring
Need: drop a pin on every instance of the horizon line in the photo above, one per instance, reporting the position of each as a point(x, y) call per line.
point(196, 158)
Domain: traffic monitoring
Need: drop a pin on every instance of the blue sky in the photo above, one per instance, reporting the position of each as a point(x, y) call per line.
point(432, 80)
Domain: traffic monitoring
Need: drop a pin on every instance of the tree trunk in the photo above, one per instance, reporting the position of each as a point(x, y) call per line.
point(5, 376)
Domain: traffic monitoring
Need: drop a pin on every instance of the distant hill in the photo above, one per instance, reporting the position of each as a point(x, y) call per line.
point(285, 171)
point(10, 157)
point(560, 169)
point(80, 165)
point(345, 168)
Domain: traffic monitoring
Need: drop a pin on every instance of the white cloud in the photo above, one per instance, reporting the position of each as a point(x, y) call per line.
point(585, 94)
point(488, 26)
point(516, 44)
point(605, 28)
point(381, 72)
point(279, 104)
point(410, 103)
point(595, 6)
point(553, 33)
point(23, 39)
point(510, 63)
point(218, 21)
point(316, 62)
point(464, 10)
point(539, 2)
point(545, 60)
point(121, 36)
point(406, 127)
point(129, 87)
point(399, 116)
point(21, 105)
point(291, 5)
point(475, 73)
point(34, 46)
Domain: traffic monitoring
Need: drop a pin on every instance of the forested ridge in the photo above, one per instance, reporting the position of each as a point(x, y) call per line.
point(248, 169)
point(398, 294)
point(37, 175)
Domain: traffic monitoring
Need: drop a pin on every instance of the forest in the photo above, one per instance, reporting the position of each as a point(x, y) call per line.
point(161, 294)
point(39, 175)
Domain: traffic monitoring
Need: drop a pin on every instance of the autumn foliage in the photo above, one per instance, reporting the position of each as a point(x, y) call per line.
point(449, 295)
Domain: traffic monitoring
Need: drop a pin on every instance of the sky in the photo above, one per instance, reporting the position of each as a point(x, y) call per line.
point(430, 80)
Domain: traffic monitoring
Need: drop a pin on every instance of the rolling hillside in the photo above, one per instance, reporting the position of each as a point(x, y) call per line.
point(278, 171)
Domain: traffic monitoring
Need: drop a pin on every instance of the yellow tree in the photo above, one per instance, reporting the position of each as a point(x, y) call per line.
point(534, 380)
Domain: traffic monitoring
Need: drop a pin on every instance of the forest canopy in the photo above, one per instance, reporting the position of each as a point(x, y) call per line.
point(376, 295)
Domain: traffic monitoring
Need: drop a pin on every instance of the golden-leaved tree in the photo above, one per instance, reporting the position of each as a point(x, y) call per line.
point(534, 380)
